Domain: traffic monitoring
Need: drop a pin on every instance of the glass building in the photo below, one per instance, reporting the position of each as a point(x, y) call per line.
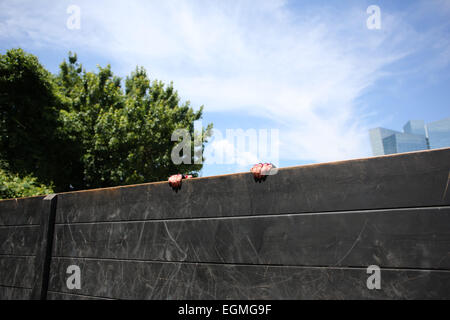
point(439, 133)
point(416, 136)
point(377, 137)
point(404, 142)
point(415, 127)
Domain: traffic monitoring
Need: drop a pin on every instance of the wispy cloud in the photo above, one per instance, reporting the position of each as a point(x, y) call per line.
point(302, 69)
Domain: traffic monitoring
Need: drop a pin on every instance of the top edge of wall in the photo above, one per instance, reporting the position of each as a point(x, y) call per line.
point(322, 164)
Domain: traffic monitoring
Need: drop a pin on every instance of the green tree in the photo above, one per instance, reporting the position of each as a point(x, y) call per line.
point(14, 186)
point(29, 113)
point(83, 129)
point(125, 134)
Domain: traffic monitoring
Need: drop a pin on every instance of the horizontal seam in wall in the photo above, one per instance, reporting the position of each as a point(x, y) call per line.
point(14, 287)
point(19, 225)
point(80, 295)
point(17, 255)
point(272, 215)
point(254, 265)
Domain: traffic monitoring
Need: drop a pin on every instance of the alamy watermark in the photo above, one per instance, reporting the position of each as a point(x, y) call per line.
point(74, 20)
point(374, 280)
point(374, 20)
point(74, 280)
point(234, 146)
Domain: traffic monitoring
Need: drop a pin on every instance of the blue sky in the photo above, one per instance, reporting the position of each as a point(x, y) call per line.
point(310, 69)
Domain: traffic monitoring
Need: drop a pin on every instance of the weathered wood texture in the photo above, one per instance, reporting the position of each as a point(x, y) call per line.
point(11, 293)
point(19, 244)
point(158, 280)
point(308, 232)
point(400, 238)
point(399, 181)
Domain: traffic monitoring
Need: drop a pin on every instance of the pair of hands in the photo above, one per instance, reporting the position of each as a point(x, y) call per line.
point(260, 172)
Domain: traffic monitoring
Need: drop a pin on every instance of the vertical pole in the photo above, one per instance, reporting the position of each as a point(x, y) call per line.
point(44, 253)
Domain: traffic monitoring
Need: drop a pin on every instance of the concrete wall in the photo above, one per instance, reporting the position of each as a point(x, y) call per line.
point(308, 232)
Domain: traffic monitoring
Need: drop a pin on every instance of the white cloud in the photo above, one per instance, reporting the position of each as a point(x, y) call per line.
point(304, 70)
point(223, 151)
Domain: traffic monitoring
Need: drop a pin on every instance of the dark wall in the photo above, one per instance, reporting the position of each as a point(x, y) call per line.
point(19, 239)
point(309, 232)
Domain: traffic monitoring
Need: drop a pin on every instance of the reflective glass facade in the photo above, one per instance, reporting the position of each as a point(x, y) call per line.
point(415, 127)
point(376, 139)
point(415, 136)
point(439, 133)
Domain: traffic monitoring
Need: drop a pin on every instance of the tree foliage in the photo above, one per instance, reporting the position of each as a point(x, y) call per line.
point(85, 129)
point(29, 106)
point(13, 186)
